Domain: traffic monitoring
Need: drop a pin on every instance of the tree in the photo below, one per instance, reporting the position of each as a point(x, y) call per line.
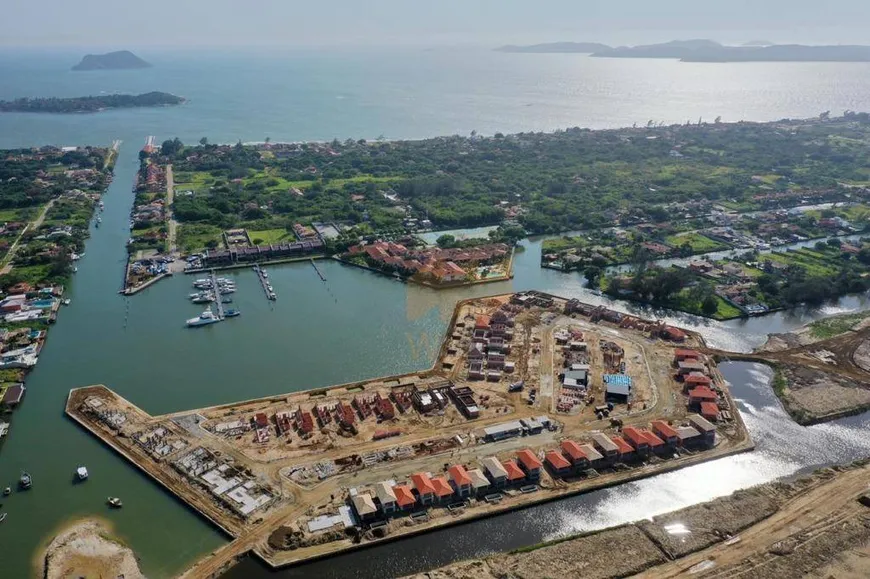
point(445, 241)
point(592, 274)
point(709, 305)
point(203, 141)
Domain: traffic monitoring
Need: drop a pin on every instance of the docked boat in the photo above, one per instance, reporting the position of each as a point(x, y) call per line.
point(265, 275)
point(82, 473)
point(226, 300)
point(205, 318)
point(26, 481)
point(114, 502)
point(227, 290)
point(67, 302)
point(232, 313)
point(203, 298)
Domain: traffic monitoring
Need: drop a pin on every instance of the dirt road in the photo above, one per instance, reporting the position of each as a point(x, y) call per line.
point(171, 223)
point(35, 224)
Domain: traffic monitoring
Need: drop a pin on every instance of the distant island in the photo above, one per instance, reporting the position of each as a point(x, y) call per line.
point(89, 104)
point(556, 47)
point(702, 50)
point(119, 60)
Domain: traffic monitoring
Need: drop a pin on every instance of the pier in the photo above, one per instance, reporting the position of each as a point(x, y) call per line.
point(264, 281)
point(217, 295)
point(314, 265)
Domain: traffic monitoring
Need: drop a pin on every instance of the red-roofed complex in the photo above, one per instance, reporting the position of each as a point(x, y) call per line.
point(515, 473)
point(481, 322)
point(461, 480)
point(636, 439)
point(709, 410)
point(683, 354)
point(701, 394)
point(625, 449)
point(656, 444)
point(558, 464)
point(696, 379)
point(443, 490)
point(404, 496)
point(425, 488)
point(304, 421)
point(673, 334)
point(665, 431)
point(574, 453)
point(530, 463)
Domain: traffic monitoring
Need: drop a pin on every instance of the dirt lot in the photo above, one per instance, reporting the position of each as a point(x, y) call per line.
point(84, 550)
point(812, 395)
point(814, 527)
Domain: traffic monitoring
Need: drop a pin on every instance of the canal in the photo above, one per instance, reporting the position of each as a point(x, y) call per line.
point(355, 325)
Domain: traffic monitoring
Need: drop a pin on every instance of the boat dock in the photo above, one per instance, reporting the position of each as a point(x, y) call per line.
point(314, 265)
point(264, 281)
point(217, 294)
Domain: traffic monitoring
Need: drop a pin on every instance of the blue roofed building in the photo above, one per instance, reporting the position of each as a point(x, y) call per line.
point(617, 388)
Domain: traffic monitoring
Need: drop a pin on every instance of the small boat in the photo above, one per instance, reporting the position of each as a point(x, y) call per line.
point(265, 275)
point(114, 502)
point(232, 313)
point(205, 318)
point(82, 473)
point(226, 300)
point(227, 290)
point(2, 517)
point(99, 219)
point(203, 299)
point(67, 302)
point(26, 481)
point(7, 491)
point(75, 270)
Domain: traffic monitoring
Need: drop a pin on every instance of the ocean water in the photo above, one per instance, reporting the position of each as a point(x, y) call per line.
point(357, 324)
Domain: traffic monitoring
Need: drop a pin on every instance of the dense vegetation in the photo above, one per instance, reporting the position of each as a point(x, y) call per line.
point(89, 104)
point(550, 182)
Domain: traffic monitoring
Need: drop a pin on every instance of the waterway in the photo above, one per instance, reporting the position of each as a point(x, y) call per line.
point(357, 324)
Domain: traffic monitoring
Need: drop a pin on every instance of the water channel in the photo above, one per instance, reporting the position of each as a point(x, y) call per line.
point(357, 324)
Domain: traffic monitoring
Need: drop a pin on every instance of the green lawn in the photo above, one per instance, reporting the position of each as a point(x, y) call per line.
point(194, 237)
point(699, 243)
point(269, 236)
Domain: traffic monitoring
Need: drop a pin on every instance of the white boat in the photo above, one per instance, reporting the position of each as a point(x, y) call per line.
point(205, 318)
point(75, 270)
point(67, 302)
point(82, 473)
point(203, 298)
point(2, 517)
point(7, 491)
point(266, 275)
point(114, 502)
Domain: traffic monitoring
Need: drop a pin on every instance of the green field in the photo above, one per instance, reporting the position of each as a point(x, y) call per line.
point(269, 236)
point(195, 236)
point(836, 325)
point(699, 243)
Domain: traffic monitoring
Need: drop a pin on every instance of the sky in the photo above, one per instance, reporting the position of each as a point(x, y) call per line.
point(232, 23)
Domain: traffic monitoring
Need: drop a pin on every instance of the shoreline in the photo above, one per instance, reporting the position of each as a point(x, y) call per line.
point(83, 546)
point(249, 538)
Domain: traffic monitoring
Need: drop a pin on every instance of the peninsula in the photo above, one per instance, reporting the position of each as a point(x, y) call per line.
point(532, 398)
point(119, 60)
point(90, 104)
point(703, 50)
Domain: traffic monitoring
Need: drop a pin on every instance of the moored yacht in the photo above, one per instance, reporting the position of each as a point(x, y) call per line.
point(205, 318)
point(82, 473)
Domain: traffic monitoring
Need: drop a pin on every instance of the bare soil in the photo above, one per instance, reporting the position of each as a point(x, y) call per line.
point(812, 395)
point(84, 550)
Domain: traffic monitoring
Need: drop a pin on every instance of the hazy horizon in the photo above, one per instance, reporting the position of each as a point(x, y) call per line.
point(100, 24)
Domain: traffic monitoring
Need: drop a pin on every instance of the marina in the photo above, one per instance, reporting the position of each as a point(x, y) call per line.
point(263, 276)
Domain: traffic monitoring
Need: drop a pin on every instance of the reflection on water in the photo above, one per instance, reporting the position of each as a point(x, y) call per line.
point(783, 449)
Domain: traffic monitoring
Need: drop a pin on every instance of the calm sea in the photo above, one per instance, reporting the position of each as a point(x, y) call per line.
point(356, 324)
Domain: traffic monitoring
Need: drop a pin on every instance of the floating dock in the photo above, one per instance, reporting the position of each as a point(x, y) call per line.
point(264, 281)
point(217, 295)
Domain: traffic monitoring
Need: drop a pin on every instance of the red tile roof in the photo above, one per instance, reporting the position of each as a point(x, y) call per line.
point(404, 496)
point(663, 428)
point(653, 440)
point(459, 475)
point(709, 410)
point(635, 436)
point(573, 450)
point(442, 487)
point(423, 483)
point(481, 322)
point(702, 393)
point(556, 460)
point(697, 379)
point(624, 447)
point(683, 353)
point(675, 333)
point(513, 470)
point(529, 460)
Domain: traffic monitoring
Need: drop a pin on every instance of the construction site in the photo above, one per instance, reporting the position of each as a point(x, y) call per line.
point(532, 397)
